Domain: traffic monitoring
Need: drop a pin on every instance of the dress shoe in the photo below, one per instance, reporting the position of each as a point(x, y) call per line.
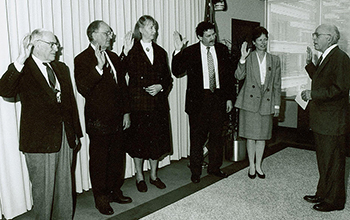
point(119, 198)
point(326, 207)
point(103, 206)
point(195, 179)
point(218, 173)
point(141, 186)
point(261, 176)
point(251, 176)
point(158, 183)
point(313, 199)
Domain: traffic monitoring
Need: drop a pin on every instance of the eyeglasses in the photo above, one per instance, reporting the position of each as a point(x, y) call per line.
point(316, 35)
point(107, 33)
point(52, 44)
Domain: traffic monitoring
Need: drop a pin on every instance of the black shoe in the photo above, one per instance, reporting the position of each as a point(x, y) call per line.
point(119, 198)
point(218, 173)
point(103, 206)
point(141, 186)
point(261, 176)
point(252, 176)
point(195, 179)
point(326, 207)
point(158, 183)
point(313, 199)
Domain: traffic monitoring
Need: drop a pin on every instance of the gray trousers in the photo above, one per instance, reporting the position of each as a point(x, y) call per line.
point(51, 178)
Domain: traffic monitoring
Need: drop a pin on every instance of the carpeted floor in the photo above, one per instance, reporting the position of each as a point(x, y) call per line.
point(290, 174)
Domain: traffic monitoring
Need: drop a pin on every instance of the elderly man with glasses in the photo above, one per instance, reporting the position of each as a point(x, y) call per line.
point(329, 110)
point(50, 127)
point(100, 79)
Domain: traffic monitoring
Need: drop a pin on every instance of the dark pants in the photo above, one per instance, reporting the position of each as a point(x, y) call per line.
point(330, 152)
point(107, 164)
point(207, 123)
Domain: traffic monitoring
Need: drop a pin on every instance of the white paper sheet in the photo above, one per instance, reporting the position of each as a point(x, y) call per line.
point(300, 101)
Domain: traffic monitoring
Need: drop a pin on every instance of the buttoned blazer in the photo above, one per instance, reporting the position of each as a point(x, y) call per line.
point(142, 73)
point(254, 96)
point(41, 114)
point(330, 93)
point(106, 101)
point(189, 62)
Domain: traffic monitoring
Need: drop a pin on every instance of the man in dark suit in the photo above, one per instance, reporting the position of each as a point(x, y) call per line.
point(50, 127)
point(329, 100)
point(100, 78)
point(208, 97)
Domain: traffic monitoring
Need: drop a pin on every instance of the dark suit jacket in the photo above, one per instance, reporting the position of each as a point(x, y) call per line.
point(143, 74)
point(105, 101)
point(188, 61)
point(253, 96)
point(330, 93)
point(41, 114)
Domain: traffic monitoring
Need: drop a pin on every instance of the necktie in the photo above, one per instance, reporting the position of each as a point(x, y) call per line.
point(319, 61)
point(109, 67)
point(51, 76)
point(211, 70)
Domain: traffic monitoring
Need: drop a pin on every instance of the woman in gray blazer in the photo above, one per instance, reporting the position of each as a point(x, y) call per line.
point(259, 99)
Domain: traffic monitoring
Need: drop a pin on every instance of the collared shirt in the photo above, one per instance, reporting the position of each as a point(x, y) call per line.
point(204, 57)
point(262, 67)
point(42, 69)
point(147, 47)
point(327, 51)
point(109, 62)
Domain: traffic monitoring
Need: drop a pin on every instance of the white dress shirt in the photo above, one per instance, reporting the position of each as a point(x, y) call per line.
point(204, 57)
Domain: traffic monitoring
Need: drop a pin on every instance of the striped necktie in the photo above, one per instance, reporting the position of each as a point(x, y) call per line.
point(51, 76)
point(211, 70)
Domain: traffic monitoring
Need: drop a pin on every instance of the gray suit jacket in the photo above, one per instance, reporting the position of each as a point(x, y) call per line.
point(253, 96)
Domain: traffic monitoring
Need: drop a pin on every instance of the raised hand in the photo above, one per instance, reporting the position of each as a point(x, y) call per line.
point(179, 42)
point(128, 42)
point(244, 52)
point(308, 55)
point(101, 59)
point(25, 49)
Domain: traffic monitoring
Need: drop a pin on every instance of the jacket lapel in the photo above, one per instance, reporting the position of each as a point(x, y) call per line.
point(326, 60)
point(255, 67)
point(38, 76)
point(268, 70)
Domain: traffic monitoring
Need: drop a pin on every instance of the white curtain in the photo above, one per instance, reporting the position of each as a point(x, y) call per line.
point(68, 19)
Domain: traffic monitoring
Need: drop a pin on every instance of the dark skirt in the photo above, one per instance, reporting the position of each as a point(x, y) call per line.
point(149, 135)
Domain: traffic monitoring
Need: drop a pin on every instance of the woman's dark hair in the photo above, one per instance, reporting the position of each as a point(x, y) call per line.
point(258, 31)
point(204, 26)
point(142, 22)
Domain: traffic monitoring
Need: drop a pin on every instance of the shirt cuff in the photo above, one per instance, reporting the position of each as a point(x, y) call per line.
point(242, 61)
point(98, 70)
point(176, 52)
point(18, 66)
point(277, 107)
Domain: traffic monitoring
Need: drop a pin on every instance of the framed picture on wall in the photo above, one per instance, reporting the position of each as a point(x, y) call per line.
point(241, 31)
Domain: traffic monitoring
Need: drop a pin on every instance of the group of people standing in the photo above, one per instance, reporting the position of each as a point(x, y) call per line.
point(133, 116)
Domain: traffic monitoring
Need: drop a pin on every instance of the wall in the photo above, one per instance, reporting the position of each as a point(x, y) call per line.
point(252, 10)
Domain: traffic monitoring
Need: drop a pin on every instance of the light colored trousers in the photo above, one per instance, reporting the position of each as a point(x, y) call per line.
point(51, 177)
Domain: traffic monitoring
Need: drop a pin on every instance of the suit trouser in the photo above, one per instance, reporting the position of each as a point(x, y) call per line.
point(209, 121)
point(330, 152)
point(107, 164)
point(51, 177)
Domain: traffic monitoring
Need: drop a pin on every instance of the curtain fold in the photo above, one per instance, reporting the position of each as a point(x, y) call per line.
point(68, 19)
